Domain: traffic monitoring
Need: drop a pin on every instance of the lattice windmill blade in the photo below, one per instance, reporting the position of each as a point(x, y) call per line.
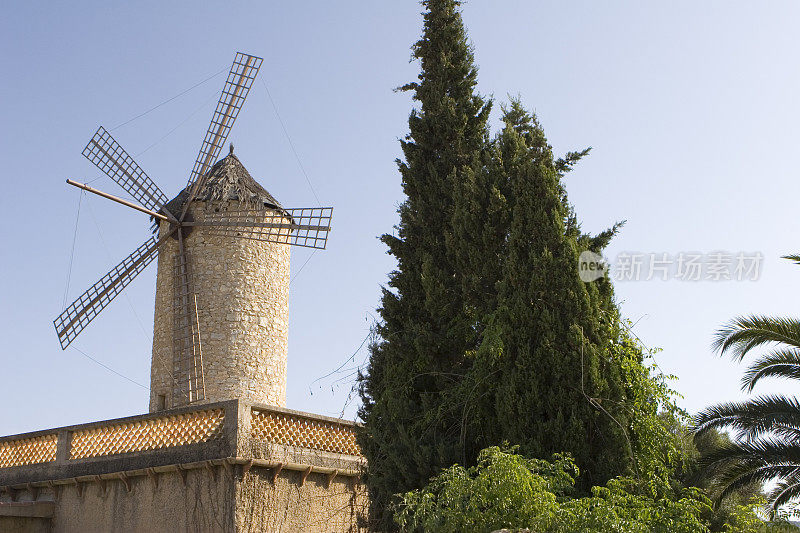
point(88, 305)
point(107, 155)
point(306, 226)
point(237, 86)
point(187, 362)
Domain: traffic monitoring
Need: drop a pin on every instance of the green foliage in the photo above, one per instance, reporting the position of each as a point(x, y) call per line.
point(658, 450)
point(488, 335)
point(767, 448)
point(506, 490)
point(556, 369)
point(424, 333)
point(743, 520)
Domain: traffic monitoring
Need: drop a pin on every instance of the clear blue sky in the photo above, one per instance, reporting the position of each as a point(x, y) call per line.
point(691, 109)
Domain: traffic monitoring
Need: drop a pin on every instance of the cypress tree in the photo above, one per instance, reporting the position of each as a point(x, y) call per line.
point(424, 333)
point(545, 376)
point(488, 335)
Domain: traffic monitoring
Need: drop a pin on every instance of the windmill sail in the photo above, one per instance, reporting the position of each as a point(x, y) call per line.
point(237, 86)
point(107, 155)
point(307, 227)
point(88, 305)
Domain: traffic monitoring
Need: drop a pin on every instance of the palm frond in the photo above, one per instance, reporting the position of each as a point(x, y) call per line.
point(743, 334)
point(738, 458)
point(767, 448)
point(751, 417)
point(757, 476)
point(784, 363)
point(787, 433)
point(786, 490)
point(734, 466)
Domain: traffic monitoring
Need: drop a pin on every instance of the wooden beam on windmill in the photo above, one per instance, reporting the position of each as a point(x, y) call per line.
point(122, 201)
point(187, 361)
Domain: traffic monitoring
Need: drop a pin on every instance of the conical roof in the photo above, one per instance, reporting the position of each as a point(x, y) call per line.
point(228, 180)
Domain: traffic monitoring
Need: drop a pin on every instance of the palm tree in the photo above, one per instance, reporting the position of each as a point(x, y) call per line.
point(767, 428)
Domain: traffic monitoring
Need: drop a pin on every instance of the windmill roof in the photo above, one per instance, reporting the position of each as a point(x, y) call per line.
point(228, 180)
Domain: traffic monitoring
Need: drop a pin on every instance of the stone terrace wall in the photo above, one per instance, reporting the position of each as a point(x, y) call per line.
point(227, 466)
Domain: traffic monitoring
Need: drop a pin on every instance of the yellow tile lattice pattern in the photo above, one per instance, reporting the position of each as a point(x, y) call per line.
point(28, 451)
point(150, 434)
point(280, 428)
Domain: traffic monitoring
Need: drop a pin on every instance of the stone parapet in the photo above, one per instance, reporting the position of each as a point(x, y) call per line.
point(224, 466)
point(233, 431)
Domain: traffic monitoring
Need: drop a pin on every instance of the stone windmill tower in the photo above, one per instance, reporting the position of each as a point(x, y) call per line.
point(242, 287)
point(221, 308)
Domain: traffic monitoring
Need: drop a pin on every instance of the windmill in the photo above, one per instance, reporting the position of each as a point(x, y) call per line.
point(226, 207)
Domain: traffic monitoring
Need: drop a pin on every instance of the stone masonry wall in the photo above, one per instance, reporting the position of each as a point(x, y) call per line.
point(290, 503)
point(202, 499)
point(203, 503)
point(242, 289)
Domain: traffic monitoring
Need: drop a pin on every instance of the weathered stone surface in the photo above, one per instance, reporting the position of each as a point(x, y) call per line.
point(242, 288)
point(199, 500)
point(197, 505)
point(22, 524)
point(292, 504)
